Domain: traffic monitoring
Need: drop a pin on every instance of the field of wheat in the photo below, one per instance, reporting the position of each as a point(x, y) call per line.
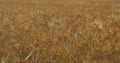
point(59, 32)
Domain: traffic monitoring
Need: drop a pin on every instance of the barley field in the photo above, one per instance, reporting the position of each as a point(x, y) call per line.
point(59, 31)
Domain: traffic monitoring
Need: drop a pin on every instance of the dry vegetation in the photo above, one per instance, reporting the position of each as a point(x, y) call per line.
point(57, 33)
